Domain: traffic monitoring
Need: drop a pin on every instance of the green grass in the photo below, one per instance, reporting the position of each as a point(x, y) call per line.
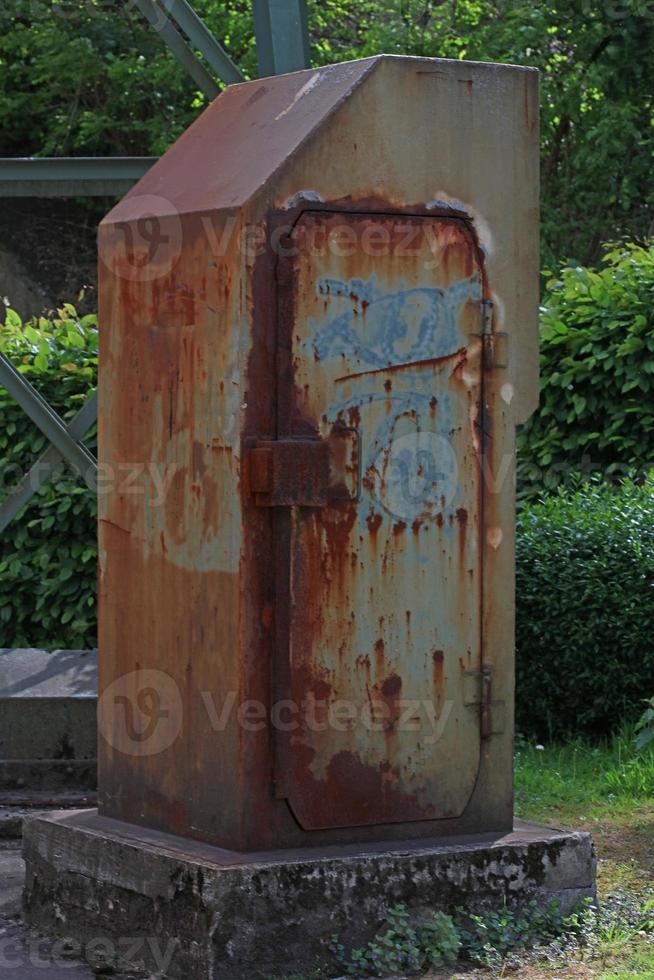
point(607, 789)
point(638, 966)
point(579, 780)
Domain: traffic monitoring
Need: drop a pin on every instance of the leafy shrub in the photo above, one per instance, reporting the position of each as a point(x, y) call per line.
point(507, 939)
point(585, 605)
point(490, 938)
point(597, 367)
point(645, 726)
point(403, 945)
point(85, 77)
point(501, 939)
point(48, 553)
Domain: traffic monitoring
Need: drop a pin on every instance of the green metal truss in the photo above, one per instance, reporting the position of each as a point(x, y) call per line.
point(282, 45)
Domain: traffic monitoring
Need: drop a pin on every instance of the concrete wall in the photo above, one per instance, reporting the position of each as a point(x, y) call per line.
point(48, 707)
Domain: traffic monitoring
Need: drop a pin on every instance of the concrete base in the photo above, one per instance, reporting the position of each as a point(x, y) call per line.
point(190, 910)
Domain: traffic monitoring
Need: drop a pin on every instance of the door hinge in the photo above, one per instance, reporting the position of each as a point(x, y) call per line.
point(495, 344)
point(478, 692)
point(289, 472)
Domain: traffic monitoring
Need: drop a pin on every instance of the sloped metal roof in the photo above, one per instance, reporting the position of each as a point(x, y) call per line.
point(241, 140)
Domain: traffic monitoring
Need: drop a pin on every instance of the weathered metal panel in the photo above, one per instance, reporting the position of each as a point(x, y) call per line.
point(381, 324)
point(195, 576)
point(169, 514)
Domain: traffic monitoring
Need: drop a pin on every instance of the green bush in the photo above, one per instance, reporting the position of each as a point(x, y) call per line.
point(585, 606)
point(596, 412)
point(402, 945)
point(48, 554)
point(497, 938)
point(502, 939)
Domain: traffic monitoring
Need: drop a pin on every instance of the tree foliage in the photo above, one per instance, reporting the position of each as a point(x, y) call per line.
point(596, 100)
point(48, 554)
point(596, 412)
point(90, 77)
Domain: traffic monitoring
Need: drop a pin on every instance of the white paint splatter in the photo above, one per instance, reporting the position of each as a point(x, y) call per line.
point(494, 537)
point(507, 392)
point(306, 88)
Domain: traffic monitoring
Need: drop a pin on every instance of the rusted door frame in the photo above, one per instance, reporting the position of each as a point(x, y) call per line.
point(284, 272)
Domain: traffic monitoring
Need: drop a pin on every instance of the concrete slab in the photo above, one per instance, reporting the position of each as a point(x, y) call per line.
point(26, 955)
point(190, 909)
point(38, 804)
point(48, 707)
point(28, 672)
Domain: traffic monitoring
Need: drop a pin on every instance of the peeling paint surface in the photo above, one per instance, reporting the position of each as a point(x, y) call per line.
point(385, 589)
point(357, 583)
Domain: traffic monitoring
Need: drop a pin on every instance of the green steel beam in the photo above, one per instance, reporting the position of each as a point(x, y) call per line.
point(70, 176)
point(45, 466)
point(282, 45)
point(33, 404)
point(201, 37)
point(159, 20)
point(282, 35)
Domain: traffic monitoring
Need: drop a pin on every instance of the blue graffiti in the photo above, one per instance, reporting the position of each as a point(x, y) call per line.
point(408, 404)
point(385, 329)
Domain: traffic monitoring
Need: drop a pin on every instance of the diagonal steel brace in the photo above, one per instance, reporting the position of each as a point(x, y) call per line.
point(47, 420)
point(44, 467)
point(159, 20)
point(161, 14)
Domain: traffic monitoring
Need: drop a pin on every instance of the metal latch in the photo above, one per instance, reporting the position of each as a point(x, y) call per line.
point(495, 343)
point(478, 692)
point(290, 472)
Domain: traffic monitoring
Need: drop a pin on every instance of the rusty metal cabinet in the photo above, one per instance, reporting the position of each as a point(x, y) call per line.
point(318, 335)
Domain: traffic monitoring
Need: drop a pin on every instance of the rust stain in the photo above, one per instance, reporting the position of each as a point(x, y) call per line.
point(391, 686)
point(459, 367)
point(374, 522)
point(436, 362)
point(438, 659)
point(267, 615)
point(369, 792)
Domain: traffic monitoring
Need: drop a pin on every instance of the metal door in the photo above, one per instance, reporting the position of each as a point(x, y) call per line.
point(379, 604)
